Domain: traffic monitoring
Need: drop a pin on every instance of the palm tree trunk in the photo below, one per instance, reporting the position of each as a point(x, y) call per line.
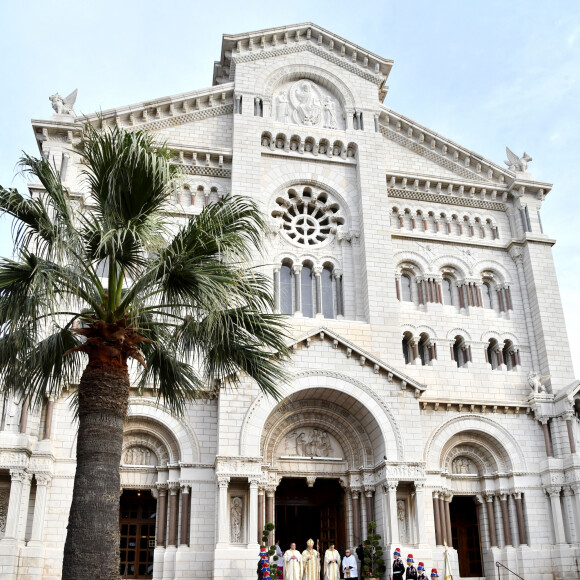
point(92, 543)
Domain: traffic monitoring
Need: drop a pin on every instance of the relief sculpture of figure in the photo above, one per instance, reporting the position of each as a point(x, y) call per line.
point(308, 108)
point(330, 121)
point(402, 517)
point(301, 445)
point(282, 108)
point(236, 520)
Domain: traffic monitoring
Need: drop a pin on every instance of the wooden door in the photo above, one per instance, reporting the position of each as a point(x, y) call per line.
point(137, 534)
point(465, 533)
point(328, 525)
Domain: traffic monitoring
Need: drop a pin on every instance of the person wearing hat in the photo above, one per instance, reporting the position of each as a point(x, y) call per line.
point(411, 570)
point(434, 573)
point(398, 566)
point(311, 562)
point(422, 573)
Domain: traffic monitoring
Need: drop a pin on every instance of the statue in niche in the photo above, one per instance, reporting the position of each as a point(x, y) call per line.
point(330, 121)
point(402, 519)
point(64, 106)
point(10, 414)
point(236, 520)
point(462, 466)
point(306, 101)
point(4, 497)
point(282, 108)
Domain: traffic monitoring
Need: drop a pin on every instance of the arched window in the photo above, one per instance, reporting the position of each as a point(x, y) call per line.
point(447, 289)
point(286, 302)
point(406, 288)
point(486, 295)
point(510, 355)
point(460, 352)
point(307, 291)
point(407, 348)
point(327, 293)
point(426, 349)
point(492, 358)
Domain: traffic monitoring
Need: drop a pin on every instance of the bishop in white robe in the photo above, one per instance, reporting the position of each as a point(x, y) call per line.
point(292, 564)
point(311, 562)
point(331, 564)
point(349, 566)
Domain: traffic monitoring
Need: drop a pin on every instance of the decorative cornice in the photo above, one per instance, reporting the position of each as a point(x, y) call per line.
point(445, 199)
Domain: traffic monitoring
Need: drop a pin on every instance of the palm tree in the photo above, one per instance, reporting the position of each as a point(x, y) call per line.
point(111, 289)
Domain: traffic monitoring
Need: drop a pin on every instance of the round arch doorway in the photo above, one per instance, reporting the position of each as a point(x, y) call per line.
point(316, 512)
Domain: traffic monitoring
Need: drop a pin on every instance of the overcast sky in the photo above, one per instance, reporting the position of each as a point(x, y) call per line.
point(484, 74)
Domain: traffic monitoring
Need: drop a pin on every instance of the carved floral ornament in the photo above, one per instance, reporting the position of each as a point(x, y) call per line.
point(306, 103)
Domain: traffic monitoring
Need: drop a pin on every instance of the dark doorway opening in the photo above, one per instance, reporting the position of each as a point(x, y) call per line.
point(465, 532)
point(316, 512)
point(137, 530)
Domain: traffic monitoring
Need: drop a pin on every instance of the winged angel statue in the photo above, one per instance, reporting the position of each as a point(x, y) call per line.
point(515, 163)
point(537, 382)
point(64, 106)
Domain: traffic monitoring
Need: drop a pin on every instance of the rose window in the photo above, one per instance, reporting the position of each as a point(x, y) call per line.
point(309, 217)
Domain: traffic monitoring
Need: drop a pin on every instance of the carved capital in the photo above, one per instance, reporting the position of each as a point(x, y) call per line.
point(478, 499)
point(489, 497)
point(223, 481)
point(567, 490)
point(296, 269)
point(42, 478)
point(173, 487)
point(554, 490)
point(18, 475)
point(254, 482)
point(162, 488)
point(185, 488)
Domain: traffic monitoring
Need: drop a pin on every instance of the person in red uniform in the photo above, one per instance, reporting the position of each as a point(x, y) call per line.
point(434, 573)
point(411, 570)
point(398, 566)
point(422, 573)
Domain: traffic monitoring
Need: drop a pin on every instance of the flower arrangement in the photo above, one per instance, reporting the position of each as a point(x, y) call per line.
point(374, 565)
point(266, 554)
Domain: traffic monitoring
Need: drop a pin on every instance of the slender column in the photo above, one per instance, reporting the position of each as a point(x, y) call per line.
point(297, 269)
point(370, 505)
point(554, 493)
point(42, 481)
point(48, 421)
point(349, 526)
point(260, 513)
point(173, 513)
point(270, 493)
point(17, 477)
point(24, 501)
point(491, 521)
point(184, 533)
point(24, 415)
point(253, 519)
point(356, 516)
point(436, 517)
point(223, 482)
point(443, 524)
point(363, 516)
point(448, 519)
point(161, 514)
point(521, 521)
point(337, 273)
point(547, 438)
point(569, 417)
point(420, 511)
point(394, 523)
point(569, 525)
point(505, 519)
point(318, 287)
point(277, 288)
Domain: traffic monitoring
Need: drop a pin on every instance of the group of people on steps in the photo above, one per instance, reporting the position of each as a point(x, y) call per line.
point(410, 573)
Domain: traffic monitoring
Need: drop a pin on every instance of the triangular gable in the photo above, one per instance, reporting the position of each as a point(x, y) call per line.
point(364, 357)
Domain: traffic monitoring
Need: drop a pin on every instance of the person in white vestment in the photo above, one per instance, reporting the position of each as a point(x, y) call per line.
point(311, 562)
point(279, 563)
point(331, 564)
point(349, 567)
point(292, 564)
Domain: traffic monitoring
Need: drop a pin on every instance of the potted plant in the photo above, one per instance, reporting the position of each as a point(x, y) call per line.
point(275, 572)
point(374, 565)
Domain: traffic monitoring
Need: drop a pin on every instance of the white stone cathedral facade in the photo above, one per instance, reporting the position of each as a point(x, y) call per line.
point(433, 390)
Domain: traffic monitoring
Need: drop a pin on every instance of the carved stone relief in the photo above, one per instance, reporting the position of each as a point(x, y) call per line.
point(236, 515)
point(139, 455)
point(309, 442)
point(308, 104)
point(464, 466)
point(4, 497)
point(402, 519)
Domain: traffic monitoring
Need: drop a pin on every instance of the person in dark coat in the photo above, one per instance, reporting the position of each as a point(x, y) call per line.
point(360, 552)
point(411, 570)
point(398, 566)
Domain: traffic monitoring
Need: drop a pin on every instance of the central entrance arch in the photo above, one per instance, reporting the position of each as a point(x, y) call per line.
point(316, 512)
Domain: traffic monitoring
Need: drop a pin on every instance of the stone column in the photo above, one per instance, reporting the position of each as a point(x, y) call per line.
point(173, 513)
point(393, 522)
point(24, 501)
point(349, 526)
point(569, 425)
point(277, 288)
point(521, 521)
point(42, 481)
point(505, 519)
point(436, 517)
point(447, 502)
point(223, 531)
point(161, 514)
point(363, 516)
point(185, 506)
point(260, 513)
point(317, 271)
point(24, 415)
point(369, 492)
point(48, 419)
point(17, 477)
point(547, 438)
point(253, 519)
point(569, 525)
point(297, 270)
point(442, 522)
point(270, 495)
point(337, 274)
point(356, 516)
point(491, 520)
point(420, 511)
point(554, 493)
